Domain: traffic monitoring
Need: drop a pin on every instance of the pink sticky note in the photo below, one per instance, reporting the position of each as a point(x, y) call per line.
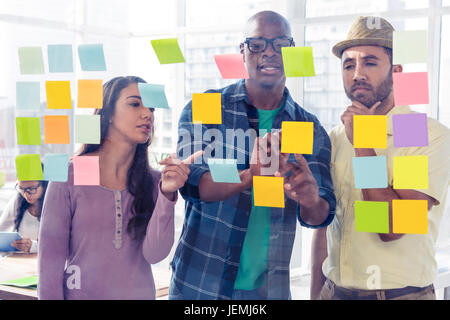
point(410, 88)
point(231, 66)
point(86, 171)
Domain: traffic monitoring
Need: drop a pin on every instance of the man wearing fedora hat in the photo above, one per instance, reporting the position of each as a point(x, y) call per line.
point(347, 264)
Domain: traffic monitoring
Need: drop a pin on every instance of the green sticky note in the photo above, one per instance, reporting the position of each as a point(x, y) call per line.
point(298, 61)
point(372, 216)
point(28, 95)
point(168, 51)
point(28, 131)
point(87, 129)
point(29, 167)
point(31, 60)
point(410, 46)
point(27, 282)
point(2, 178)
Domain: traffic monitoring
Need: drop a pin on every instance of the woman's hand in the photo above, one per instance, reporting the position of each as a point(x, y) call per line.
point(23, 245)
point(175, 173)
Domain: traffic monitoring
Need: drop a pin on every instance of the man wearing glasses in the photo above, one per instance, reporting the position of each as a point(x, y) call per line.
point(229, 248)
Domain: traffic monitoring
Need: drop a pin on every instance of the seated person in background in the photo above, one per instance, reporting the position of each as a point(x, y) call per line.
point(22, 214)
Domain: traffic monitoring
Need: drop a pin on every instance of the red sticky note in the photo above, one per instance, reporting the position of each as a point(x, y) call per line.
point(231, 66)
point(410, 88)
point(86, 171)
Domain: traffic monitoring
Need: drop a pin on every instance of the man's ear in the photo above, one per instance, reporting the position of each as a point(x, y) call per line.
point(241, 48)
point(397, 68)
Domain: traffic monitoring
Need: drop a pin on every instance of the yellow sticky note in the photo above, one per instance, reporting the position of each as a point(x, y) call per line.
point(268, 191)
point(370, 131)
point(90, 94)
point(410, 172)
point(410, 216)
point(297, 137)
point(207, 108)
point(58, 94)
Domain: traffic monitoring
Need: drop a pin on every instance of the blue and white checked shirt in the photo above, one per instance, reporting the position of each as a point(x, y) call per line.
point(206, 260)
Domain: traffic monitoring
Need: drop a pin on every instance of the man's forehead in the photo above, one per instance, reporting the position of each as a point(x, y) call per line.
point(363, 51)
point(260, 27)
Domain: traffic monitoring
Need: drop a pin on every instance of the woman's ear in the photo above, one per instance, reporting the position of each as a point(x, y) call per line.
point(397, 68)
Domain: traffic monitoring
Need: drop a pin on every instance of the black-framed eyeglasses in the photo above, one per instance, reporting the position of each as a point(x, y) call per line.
point(30, 190)
point(259, 44)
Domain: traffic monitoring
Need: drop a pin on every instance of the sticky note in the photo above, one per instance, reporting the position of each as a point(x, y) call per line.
point(297, 137)
point(31, 60)
point(268, 191)
point(28, 95)
point(28, 131)
point(410, 130)
point(153, 95)
point(58, 94)
point(87, 129)
point(2, 178)
point(224, 170)
point(168, 50)
point(410, 88)
point(370, 131)
point(409, 46)
point(56, 167)
point(207, 108)
point(60, 58)
point(372, 216)
point(29, 167)
point(370, 172)
point(410, 172)
point(231, 66)
point(410, 216)
point(298, 61)
point(86, 171)
point(92, 57)
point(56, 130)
point(90, 94)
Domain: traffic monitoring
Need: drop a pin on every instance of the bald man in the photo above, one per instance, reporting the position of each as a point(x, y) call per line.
point(230, 248)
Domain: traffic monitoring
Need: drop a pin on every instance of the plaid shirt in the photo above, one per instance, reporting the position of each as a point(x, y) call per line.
point(206, 260)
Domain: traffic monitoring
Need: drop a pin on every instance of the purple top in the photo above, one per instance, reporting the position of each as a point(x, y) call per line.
point(85, 251)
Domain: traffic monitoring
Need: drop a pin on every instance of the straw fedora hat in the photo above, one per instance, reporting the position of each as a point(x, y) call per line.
point(366, 31)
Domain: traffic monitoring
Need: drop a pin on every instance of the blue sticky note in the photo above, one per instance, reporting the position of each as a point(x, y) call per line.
point(370, 172)
point(28, 95)
point(224, 170)
point(56, 167)
point(153, 95)
point(60, 58)
point(92, 57)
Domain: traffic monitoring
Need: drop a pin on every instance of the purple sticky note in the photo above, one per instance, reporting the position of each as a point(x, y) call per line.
point(410, 130)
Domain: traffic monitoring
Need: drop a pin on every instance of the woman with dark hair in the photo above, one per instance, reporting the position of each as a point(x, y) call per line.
point(98, 242)
point(23, 213)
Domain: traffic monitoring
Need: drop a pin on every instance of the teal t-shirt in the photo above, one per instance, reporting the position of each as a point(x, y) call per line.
point(253, 263)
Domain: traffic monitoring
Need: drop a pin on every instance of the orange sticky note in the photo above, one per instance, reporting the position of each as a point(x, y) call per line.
point(297, 137)
point(410, 216)
point(90, 94)
point(86, 171)
point(58, 94)
point(370, 131)
point(268, 191)
point(207, 108)
point(56, 130)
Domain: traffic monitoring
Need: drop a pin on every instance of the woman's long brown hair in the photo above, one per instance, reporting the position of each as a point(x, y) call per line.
point(139, 179)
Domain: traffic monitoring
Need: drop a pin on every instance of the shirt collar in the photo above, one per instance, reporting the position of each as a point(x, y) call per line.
point(395, 110)
point(240, 94)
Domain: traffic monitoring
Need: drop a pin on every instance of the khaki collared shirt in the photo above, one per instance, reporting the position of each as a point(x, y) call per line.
point(353, 256)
